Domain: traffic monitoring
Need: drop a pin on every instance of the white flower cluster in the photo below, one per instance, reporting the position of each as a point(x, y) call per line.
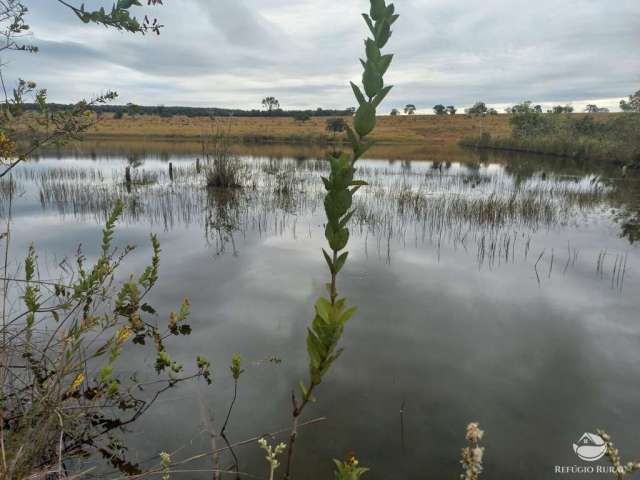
point(272, 454)
point(472, 455)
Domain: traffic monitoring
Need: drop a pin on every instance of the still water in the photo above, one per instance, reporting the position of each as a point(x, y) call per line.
point(502, 290)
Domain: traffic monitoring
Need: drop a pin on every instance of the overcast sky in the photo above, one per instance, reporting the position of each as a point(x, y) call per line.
point(232, 53)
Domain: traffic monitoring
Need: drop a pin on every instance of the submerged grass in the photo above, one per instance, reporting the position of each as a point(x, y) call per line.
point(460, 206)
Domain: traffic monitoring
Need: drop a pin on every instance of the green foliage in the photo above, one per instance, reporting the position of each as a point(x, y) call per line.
point(336, 125)
point(302, 116)
point(574, 136)
point(478, 109)
point(440, 109)
point(332, 314)
point(94, 320)
point(409, 109)
point(632, 105)
point(119, 17)
point(236, 366)
point(349, 469)
point(270, 104)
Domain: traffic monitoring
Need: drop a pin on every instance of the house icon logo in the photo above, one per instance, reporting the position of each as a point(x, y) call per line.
point(590, 447)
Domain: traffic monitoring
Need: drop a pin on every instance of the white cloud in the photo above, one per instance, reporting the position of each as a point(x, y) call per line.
point(233, 52)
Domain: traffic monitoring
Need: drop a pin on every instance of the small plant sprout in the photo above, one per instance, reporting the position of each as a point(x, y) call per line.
point(236, 366)
point(272, 455)
point(165, 461)
point(350, 469)
point(331, 314)
point(613, 455)
point(472, 454)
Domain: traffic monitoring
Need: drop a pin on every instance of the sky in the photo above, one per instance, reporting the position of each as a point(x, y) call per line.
point(232, 53)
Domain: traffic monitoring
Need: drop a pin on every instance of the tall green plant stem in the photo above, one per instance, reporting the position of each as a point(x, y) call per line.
point(332, 314)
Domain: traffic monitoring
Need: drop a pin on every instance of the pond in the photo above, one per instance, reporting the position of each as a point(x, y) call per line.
point(496, 289)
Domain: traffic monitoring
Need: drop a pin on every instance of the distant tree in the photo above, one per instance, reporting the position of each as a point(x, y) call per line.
point(451, 109)
point(440, 109)
point(118, 115)
point(270, 104)
point(492, 111)
point(409, 109)
point(632, 105)
point(163, 111)
point(301, 116)
point(394, 112)
point(561, 109)
point(351, 111)
point(336, 125)
point(480, 108)
point(591, 108)
point(524, 107)
point(132, 109)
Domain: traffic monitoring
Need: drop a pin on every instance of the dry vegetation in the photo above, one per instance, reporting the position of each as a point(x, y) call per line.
point(436, 132)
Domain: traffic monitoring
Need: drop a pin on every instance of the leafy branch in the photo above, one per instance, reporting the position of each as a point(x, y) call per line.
point(331, 314)
point(119, 17)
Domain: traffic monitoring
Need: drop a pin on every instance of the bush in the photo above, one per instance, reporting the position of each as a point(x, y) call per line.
point(223, 169)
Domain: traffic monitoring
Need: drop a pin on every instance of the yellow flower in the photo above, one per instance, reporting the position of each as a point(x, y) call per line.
point(77, 382)
point(123, 335)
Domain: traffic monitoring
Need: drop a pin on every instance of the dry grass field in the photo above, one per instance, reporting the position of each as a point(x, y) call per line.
point(436, 132)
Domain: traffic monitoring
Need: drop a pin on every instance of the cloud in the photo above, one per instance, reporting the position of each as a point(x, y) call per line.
point(231, 53)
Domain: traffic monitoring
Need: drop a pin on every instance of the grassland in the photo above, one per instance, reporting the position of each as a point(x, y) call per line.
point(435, 132)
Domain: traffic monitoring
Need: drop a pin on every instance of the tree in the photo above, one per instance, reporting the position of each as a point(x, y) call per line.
point(270, 104)
point(440, 109)
point(492, 111)
point(451, 110)
point(561, 109)
point(336, 125)
point(478, 109)
point(394, 112)
point(524, 107)
point(409, 109)
point(632, 105)
point(301, 116)
point(591, 108)
point(132, 109)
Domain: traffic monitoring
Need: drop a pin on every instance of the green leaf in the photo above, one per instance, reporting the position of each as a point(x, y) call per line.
point(378, 9)
point(367, 19)
point(365, 120)
point(372, 80)
point(384, 34)
point(303, 389)
point(358, 93)
point(381, 94)
point(373, 52)
point(341, 261)
point(323, 308)
point(328, 259)
point(352, 138)
point(384, 62)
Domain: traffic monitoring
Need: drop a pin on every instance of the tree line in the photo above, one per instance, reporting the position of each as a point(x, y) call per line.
point(630, 105)
point(130, 109)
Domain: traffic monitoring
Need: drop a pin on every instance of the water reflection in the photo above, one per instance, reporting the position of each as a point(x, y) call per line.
point(496, 289)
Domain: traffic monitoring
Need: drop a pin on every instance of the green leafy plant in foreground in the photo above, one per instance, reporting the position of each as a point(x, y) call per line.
point(61, 392)
point(332, 313)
